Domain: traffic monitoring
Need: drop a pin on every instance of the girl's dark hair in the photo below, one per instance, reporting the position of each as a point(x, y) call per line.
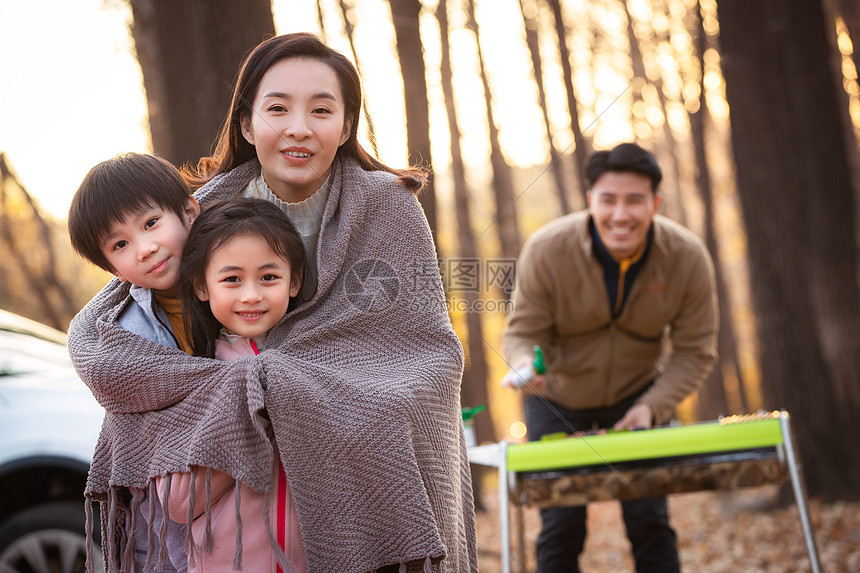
point(217, 224)
point(231, 148)
point(119, 187)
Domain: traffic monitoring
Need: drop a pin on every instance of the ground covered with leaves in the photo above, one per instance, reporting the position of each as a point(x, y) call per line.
point(718, 532)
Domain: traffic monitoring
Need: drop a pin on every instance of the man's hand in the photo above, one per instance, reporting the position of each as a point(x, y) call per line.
point(638, 417)
point(534, 386)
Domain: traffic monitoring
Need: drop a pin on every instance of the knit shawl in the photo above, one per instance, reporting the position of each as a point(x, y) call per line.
point(361, 384)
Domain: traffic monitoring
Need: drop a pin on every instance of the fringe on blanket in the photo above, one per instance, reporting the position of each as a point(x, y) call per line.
point(428, 567)
point(88, 516)
point(190, 551)
point(111, 525)
point(123, 523)
point(132, 517)
point(237, 556)
point(207, 532)
point(165, 521)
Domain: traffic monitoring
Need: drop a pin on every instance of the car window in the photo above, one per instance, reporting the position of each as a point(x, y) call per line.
point(25, 354)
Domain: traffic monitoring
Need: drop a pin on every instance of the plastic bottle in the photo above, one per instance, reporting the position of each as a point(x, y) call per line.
point(469, 424)
point(523, 375)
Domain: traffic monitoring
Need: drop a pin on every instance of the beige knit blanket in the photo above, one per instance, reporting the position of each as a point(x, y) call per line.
point(361, 383)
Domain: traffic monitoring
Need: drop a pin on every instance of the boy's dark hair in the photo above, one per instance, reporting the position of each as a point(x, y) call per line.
point(219, 222)
point(117, 188)
point(626, 157)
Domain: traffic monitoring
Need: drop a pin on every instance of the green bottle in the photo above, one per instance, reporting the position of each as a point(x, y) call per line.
point(524, 375)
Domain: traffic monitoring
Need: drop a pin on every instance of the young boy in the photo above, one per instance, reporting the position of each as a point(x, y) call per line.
point(131, 216)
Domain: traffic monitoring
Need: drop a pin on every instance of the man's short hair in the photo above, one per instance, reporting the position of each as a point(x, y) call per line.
point(626, 157)
point(117, 188)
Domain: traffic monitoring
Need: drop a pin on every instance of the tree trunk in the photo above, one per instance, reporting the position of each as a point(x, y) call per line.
point(674, 204)
point(405, 15)
point(533, 43)
point(474, 380)
point(798, 205)
point(189, 52)
point(582, 143)
point(474, 388)
point(321, 20)
point(712, 395)
point(347, 24)
point(505, 222)
point(850, 12)
point(39, 268)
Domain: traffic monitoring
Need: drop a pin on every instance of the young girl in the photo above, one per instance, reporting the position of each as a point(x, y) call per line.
point(361, 382)
point(226, 299)
point(241, 268)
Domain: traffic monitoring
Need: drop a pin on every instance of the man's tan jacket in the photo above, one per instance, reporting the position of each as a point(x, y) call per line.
point(666, 331)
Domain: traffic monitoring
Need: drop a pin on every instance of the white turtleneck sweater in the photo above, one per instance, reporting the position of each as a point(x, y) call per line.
point(307, 217)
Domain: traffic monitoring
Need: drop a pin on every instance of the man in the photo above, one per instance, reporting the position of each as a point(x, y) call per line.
point(600, 291)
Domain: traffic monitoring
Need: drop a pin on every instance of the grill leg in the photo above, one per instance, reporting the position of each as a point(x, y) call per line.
point(521, 537)
point(504, 515)
point(799, 489)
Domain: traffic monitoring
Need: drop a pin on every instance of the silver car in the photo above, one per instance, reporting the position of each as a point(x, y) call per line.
point(49, 423)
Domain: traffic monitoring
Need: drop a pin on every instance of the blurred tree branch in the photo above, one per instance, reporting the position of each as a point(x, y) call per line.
point(30, 242)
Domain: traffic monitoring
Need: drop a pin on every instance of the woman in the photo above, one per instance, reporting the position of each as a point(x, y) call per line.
point(360, 381)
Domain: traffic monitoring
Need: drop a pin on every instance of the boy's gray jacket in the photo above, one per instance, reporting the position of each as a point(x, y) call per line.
point(361, 383)
point(146, 318)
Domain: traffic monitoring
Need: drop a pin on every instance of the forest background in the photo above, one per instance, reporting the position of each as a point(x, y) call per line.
point(752, 108)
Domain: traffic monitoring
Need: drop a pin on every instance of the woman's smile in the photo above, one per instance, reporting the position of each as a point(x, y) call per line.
point(297, 124)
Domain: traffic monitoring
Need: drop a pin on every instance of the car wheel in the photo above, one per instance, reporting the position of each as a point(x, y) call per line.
point(47, 538)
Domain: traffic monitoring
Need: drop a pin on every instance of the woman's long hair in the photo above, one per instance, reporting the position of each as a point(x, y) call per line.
point(217, 224)
point(231, 148)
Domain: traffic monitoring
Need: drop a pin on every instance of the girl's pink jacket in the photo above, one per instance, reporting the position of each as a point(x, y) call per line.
point(257, 552)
